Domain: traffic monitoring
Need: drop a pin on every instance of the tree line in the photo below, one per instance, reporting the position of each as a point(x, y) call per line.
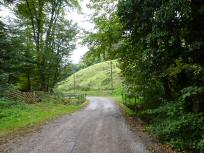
point(36, 44)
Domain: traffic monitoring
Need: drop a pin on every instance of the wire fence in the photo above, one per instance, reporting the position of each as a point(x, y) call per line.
point(78, 98)
point(133, 102)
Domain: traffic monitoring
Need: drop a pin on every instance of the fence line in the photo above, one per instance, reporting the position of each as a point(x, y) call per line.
point(131, 101)
point(28, 97)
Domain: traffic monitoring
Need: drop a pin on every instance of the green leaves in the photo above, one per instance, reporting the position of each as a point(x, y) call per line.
point(191, 91)
point(36, 53)
point(162, 60)
point(180, 66)
point(105, 42)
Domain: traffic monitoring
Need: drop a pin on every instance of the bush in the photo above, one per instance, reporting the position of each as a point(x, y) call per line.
point(201, 144)
point(118, 91)
point(172, 124)
point(6, 103)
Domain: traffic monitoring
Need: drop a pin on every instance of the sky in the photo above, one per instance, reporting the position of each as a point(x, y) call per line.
point(82, 18)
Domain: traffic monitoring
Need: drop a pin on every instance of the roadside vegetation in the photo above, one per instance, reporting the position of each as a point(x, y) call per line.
point(16, 115)
point(36, 42)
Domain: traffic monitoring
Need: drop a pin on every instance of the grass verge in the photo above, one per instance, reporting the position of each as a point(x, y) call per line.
point(17, 115)
point(92, 92)
point(126, 110)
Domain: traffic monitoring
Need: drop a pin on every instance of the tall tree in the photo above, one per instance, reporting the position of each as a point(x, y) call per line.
point(105, 41)
point(159, 47)
point(43, 16)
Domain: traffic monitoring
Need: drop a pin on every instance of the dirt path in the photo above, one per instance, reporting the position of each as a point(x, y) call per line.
point(99, 128)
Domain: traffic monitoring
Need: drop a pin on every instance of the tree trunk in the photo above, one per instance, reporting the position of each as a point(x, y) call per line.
point(167, 89)
point(111, 65)
point(197, 103)
point(29, 82)
point(42, 77)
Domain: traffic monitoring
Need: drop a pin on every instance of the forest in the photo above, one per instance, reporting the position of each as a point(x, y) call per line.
point(159, 45)
point(35, 47)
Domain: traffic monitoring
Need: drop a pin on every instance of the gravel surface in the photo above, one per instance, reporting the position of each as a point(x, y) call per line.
point(98, 128)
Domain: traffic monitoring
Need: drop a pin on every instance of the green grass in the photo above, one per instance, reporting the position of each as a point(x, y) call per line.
point(17, 115)
point(93, 79)
point(116, 95)
point(92, 92)
point(126, 110)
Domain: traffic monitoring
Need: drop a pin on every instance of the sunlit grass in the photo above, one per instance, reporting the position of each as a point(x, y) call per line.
point(95, 78)
point(21, 115)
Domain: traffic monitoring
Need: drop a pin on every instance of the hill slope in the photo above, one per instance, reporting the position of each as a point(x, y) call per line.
point(95, 77)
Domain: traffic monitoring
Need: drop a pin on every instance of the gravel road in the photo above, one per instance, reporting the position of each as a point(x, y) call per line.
point(98, 128)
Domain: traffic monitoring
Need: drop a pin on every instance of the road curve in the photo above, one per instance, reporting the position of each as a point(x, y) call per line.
point(98, 128)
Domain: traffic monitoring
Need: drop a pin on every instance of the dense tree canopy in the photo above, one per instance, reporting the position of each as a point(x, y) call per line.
point(162, 61)
point(42, 41)
point(104, 40)
point(163, 45)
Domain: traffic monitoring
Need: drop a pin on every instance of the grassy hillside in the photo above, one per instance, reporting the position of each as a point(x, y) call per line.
point(95, 77)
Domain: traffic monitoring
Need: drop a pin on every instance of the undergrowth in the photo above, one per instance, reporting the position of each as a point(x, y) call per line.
point(15, 115)
point(183, 130)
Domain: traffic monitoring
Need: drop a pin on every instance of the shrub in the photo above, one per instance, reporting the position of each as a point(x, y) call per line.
point(201, 144)
point(172, 124)
point(6, 106)
point(6, 103)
